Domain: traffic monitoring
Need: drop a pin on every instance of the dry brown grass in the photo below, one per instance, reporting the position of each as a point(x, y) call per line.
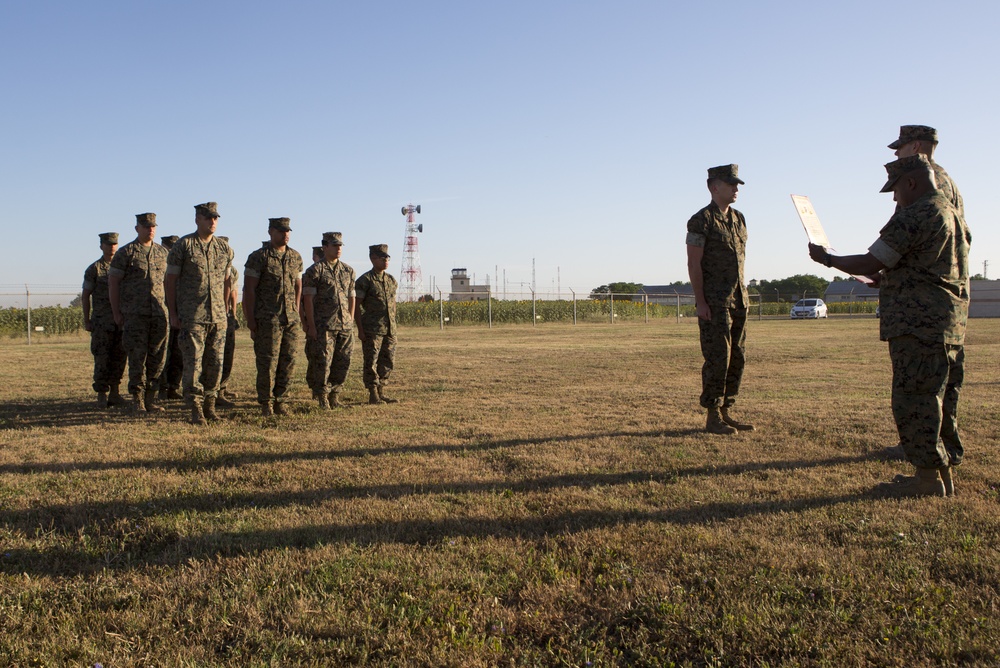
point(542, 496)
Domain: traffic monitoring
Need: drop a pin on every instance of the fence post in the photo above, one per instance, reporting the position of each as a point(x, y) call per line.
point(677, 314)
point(645, 306)
point(612, 315)
point(534, 316)
point(441, 308)
point(574, 304)
point(489, 305)
point(27, 301)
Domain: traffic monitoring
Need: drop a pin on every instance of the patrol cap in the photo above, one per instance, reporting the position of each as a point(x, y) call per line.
point(210, 209)
point(898, 168)
point(221, 238)
point(266, 244)
point(333, 239)
point(168, 242)
point(279, 224)
point(379, 250)
point(145, 219)
point(908, 133)
point(317, 250)
point(109, 237)
point(728, 173)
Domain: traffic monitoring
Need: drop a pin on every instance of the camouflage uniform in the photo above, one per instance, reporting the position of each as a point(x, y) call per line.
point(331, 285)
point(173, 369)
point(201, 269)
point(144, 335)
point(723, 338)
point(924, 307)
point(232, 324)
point(376, 295)
point(276, 314)
point(105, 336)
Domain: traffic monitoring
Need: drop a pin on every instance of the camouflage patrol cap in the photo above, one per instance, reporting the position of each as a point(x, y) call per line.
point(318, 251)
point(279, 224)
point(210, 209)
point(379, 250)
point(145, 219)
point(109, 238)
point(333, 239)
point(898, 168)
point(168, 242)
point(908, 133)
point(266, 244)
point(728, 173)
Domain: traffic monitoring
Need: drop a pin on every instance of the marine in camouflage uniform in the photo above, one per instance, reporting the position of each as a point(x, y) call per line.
point(135, 289)
point(923, 140)
point(173, 369)
point(716, 247)
point(376, 301)
point(923, 253)
point(198, 278)
point(225, 398)
point(272, 289)
point(328, 300)
point(105, 336)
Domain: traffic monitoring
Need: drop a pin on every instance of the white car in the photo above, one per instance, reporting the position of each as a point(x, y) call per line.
point(808, 308)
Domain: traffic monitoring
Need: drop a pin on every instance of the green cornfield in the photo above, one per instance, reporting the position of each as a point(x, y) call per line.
point(55, 320)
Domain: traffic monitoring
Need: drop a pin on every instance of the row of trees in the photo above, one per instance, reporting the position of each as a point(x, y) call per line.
point(793, 286)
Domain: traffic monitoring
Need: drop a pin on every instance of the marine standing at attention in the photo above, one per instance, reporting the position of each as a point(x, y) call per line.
point(173, 368)
point(226, 398)
point(716, 247)
point(923, 256)
point(196, 285)
point(376, 301)
point(105, 336)
point(328, 301)
point(135, 290)
point(272, 290)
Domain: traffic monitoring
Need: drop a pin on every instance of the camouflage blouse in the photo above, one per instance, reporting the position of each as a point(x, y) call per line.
point(331, 285)
point(141, 270)
point(277, 276)
point(376, 294)
point(724, 238)
point(201, 269)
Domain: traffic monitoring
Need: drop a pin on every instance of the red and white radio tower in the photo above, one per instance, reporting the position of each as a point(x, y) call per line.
point(412, 286)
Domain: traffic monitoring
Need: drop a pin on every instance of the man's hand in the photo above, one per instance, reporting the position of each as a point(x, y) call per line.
point(175, 321)
point(704, 312)
point(119, 318)
point(818, 253)
point(88, 325)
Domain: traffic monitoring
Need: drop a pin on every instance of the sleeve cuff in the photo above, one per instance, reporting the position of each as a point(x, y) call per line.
point(172, 270)
point(250, 273)
point(882, 252)
point(115, 271)
point(308, 291)
point(87, 285)
point(695, 239)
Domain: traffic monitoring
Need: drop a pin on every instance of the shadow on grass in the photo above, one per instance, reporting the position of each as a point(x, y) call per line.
point(168, 549)
point(64, 413)
point(235, 459)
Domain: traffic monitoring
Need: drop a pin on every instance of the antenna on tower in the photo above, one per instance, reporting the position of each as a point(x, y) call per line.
point(412, 285)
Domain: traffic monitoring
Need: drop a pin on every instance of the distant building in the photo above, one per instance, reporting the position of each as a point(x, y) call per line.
point(462, 289)
point(850, 290)
point(984, 299)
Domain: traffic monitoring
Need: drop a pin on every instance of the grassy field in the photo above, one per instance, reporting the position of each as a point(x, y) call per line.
point(541, 496)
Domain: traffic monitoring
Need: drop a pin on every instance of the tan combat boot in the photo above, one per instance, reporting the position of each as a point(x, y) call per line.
point(102, 400)
point(162, 395)
point(373, 397)
point(949, 485)
point(138, 403)
point(115, 397)
point(733, 422)
point(715, 424)
point(334, 400)
point(280, 408)
point(925, 483)
point(174, 393)
point(222, 401)
point(385, 399)
point(197, 416)
point(151, 405)
point(323, 401)
point(208, 409)
point(265, 409)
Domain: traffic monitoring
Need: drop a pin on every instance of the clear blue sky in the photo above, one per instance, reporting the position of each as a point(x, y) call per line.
point(576, 133)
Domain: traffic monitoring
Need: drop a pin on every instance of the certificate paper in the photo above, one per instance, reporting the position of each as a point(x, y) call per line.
point(810, 221)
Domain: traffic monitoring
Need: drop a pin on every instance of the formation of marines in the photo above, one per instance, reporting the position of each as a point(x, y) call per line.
point(171, 312)
point(920, 262)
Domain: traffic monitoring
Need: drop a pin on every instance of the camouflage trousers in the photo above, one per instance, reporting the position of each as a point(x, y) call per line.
point(379, 353)
point(723, 345)
point(926, 382)
point(145, 341)
point(202, 345)
point(329, 357)
point(228, 353)
point(173, 369)
point(109, 356)
point(274, 346)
